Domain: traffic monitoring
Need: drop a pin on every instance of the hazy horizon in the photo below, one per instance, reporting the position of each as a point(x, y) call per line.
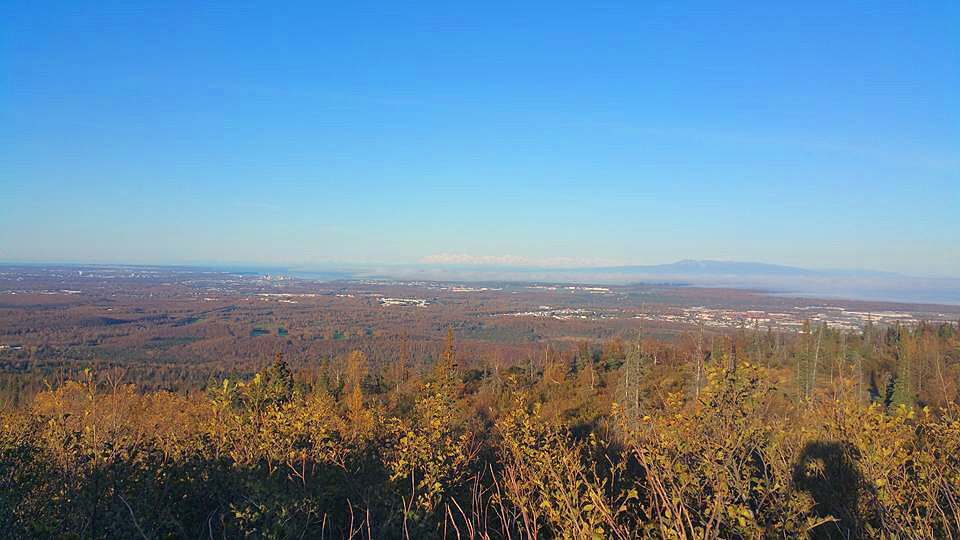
point(826, 284)
point(459, 261)
point(446, 261)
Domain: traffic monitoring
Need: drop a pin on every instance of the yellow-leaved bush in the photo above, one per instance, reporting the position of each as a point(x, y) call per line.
point(264, 457)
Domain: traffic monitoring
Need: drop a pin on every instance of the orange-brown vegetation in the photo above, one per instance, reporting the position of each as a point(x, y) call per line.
point(822, 435)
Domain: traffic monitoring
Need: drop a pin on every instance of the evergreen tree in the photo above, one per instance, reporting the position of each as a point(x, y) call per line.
point(586, 375)
point(628, 389)
point(444, 370)
point(278, 380)
point(904, 389)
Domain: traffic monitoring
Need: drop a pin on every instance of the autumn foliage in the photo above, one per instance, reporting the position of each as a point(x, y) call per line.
point(721, 446)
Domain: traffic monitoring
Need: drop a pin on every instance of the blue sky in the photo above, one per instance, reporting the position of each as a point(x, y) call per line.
point(817, 134)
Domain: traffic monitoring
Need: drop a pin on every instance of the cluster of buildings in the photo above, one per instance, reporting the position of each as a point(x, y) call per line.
point(469, 289)
point(414, 302)
point(832, 316)
point(571, 288)
point(792, 320)
point(562, 314)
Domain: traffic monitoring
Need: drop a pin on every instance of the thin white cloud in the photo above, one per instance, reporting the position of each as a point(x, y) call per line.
point(452, 258)
point(511, 260)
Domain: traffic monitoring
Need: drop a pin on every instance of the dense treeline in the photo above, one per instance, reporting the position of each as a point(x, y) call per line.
point(754, 435)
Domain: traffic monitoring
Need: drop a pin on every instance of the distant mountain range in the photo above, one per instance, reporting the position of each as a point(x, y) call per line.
point(691, 267)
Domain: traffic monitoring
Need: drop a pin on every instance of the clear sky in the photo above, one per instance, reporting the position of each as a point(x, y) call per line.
point(817, 134)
